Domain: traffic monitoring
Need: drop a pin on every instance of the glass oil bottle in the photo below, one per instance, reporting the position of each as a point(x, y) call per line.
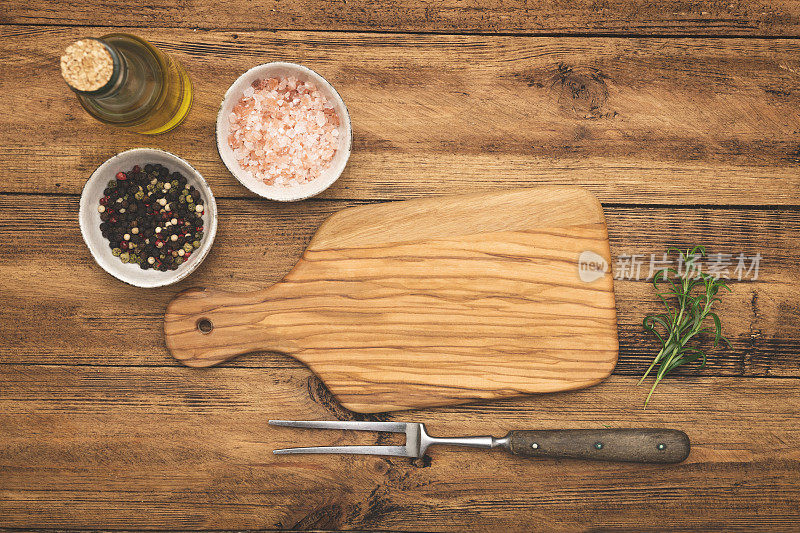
point(124, 81)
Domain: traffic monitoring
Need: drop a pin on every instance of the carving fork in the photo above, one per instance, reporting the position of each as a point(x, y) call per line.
point(629, 445)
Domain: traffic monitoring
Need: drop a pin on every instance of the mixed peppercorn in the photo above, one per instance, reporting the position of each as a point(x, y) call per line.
point(152, 217)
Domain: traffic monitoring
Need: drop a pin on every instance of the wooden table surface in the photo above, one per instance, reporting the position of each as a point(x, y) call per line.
point(682, 117)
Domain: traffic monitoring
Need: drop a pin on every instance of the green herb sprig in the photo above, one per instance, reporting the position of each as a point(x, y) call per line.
point(694, 293)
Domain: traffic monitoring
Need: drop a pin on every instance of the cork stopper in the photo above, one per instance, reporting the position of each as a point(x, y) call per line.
point(87, 65)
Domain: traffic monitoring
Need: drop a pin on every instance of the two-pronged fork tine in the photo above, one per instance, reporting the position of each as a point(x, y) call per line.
point(394, 427)
point(396, 451)
point(417, 439)
point(635, 445)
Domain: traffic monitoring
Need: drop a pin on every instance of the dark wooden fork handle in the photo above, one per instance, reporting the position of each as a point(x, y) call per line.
point(629, 445)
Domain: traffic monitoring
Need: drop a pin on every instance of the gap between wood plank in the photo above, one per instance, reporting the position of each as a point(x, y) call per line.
point(613, 205)
point(555, 35)
point(233, 366)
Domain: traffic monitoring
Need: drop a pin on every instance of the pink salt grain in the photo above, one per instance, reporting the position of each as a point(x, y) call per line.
point(283, 131)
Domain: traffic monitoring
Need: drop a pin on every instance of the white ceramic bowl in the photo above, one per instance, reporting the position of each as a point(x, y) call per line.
point(295, 192)
point(90, 218)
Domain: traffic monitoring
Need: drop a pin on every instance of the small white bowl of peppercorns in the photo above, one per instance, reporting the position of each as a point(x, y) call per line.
point(148, 217)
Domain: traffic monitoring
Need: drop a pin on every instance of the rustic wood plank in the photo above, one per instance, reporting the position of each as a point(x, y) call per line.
point(635, 120)
point(136, 448)
point(57, 305)
point(619, 17)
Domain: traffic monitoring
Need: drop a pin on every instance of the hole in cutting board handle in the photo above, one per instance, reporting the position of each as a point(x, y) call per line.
point(205, 326)
point(201, 332)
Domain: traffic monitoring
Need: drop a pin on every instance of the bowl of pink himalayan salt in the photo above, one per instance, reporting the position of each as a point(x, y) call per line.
point(284, 132)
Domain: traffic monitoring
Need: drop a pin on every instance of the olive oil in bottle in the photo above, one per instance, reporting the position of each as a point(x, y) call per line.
point(123, 80)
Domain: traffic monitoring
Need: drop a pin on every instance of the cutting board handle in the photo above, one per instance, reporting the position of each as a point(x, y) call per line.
point(204, 327)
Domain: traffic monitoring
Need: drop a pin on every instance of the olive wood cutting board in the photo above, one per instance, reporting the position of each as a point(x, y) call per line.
point(429, 302)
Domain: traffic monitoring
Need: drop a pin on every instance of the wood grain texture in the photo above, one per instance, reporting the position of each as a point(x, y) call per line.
point(126, 447)
point(638, 121)
point(619, 17)
point(428, 302)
